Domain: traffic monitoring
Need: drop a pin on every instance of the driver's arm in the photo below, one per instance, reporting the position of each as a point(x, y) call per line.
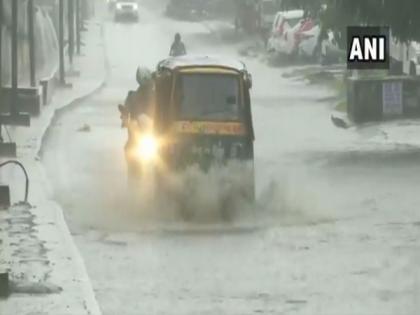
point(171, 51)
point(126, 109)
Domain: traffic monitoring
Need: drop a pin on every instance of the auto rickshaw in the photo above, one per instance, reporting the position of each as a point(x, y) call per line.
point(202, 117)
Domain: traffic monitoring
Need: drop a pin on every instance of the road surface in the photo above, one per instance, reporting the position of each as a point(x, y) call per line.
point(338, 226)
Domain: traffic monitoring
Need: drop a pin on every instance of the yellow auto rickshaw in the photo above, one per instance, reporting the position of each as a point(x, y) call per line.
point(202, 117)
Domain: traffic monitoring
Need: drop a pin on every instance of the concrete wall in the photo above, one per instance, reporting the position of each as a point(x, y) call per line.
point(378, 99)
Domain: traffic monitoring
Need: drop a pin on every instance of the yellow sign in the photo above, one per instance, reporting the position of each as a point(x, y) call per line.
point(210, 128)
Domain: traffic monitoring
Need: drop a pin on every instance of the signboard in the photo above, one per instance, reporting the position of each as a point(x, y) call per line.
point(210, 128)
point(392, 99)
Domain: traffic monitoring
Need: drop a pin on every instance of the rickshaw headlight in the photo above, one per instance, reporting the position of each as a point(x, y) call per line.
point(147, 148)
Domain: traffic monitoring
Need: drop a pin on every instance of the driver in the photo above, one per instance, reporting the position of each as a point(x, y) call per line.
point(136, 112)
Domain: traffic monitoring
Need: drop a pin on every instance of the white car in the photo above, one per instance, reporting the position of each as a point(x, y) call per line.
point(126, 10)
point(309, 45)
point(301, 39)
point(306, 38)
point(282, 40)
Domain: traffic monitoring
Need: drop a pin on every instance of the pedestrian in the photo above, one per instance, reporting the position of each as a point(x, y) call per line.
point(177, 47)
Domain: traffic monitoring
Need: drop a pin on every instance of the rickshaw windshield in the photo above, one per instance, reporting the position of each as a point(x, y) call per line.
point(208, 97)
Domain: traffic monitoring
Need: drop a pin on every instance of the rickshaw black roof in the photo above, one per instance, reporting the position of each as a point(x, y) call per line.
point(189, 61)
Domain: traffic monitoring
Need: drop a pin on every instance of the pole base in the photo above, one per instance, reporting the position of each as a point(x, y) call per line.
point(8, 150)
point(73, 73)
point(4, 197)
point(20, 119)
point(4, 284)
point(65, 85)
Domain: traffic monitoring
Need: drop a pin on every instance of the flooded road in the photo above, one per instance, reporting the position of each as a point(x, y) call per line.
point(338, 226)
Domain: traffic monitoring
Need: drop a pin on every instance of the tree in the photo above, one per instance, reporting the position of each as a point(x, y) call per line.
point(401, 16)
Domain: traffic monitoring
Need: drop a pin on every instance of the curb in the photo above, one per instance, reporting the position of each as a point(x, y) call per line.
point(93, 308)
point(61, 111)
point(91, 305)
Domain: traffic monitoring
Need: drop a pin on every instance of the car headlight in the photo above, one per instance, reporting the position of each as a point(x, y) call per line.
point(119, 6)
point(147, 148)
point(135, 7)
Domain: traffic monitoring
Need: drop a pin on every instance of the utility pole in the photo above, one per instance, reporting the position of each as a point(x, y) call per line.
point(31, 33)
point(78, 27)
point(61, 41)
point(1, 51)
point(1, 60)
point(71, 29)
point(14, 52)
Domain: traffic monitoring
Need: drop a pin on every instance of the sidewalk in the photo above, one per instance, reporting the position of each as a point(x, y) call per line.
point(47, 273)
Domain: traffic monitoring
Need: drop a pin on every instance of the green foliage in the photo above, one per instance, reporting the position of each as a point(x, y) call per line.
point(401, 16)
